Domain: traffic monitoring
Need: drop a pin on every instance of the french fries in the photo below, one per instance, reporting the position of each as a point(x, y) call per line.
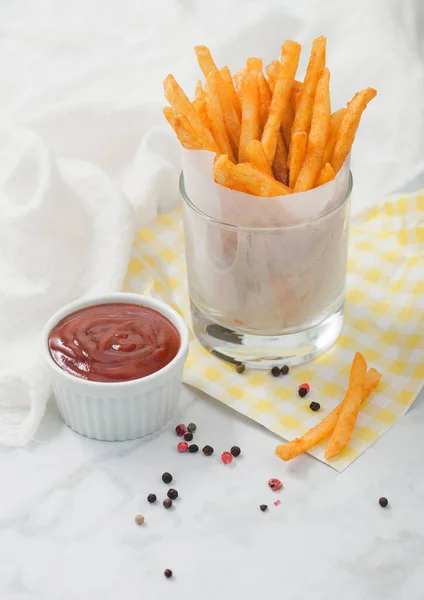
point(223, 174)
point(251, 115)
point(325, 427)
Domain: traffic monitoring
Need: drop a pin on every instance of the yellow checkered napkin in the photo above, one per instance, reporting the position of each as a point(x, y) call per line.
point(384, 320)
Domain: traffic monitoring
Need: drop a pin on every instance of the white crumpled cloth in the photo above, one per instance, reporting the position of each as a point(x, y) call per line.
point(85, 156)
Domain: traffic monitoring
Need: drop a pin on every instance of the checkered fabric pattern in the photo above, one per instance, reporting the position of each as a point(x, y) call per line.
point(384, 319)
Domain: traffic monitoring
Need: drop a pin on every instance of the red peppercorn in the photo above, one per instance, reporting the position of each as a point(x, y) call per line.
point(226, 458)
point(180, 429)
point(277, 502)
point(275, 484)
point(182, 447)
point(306, 386)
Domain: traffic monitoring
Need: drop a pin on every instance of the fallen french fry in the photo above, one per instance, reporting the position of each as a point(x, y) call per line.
point(325, 427)
point(303, 116)
point(256, 156)
point(297, 155)
point(205, 60)
point(349, 126)
point(183, 129)
point(215, 114)
point(223, 174)
point(257, 183)
point(226, 76)
point(199, 104)
point(326, 174)
point(349, 411)
point(279, 166)
point(254, 64)
point(317, 136)
point(335, 122)
point(281, 97)
point(272, 71)
point(182, 105)
point(250, 126)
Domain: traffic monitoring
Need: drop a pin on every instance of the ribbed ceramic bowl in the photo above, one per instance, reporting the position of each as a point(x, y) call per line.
point(121, 410)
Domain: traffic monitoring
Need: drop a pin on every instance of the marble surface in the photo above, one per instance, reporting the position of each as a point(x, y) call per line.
point(68, 503)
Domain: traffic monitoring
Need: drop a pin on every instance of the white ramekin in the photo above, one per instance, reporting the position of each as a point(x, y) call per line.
point(121, 410)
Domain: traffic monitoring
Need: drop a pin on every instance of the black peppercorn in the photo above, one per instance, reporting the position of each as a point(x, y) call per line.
point(167, 478)
point(240, 368)
point(284, 370)
point(235, 451)
point(208, 450)
point(151, 498)
point(191, 427)
point(167, 573)
point(193, 448)
point(167, 503)
point(188, 436)
point(315, 406)
point(263, 507)
point(275, 371)
point(173, 494)
point(383, 502)
point(302, 391)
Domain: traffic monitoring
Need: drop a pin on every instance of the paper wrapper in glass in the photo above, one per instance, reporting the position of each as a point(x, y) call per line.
point(264, 265)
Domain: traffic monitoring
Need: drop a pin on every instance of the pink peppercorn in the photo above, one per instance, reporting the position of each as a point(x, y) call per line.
point(182, 447)
point(227, 458)
point(180, 429)
point(275, 484)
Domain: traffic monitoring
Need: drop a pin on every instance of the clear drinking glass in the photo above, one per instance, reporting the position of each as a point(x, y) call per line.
point(266, 296)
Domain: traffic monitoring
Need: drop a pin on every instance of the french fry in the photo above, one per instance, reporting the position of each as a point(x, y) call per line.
point(254, 64)
point(335, 122)
point(349, 411)
point(250, 126)
point(317, 136)
point(264, 99)
point(182, 105)
point(215, 114)
point(256, 155)
point(238, 78)
point(325, 427)
point(281, 97)
point(303, 116)
point(272, 71)
point(279, 166)
point(326, 174)
point(257, 183)
point(223, 174)
point(199, 104)
point(349, 126)
point(183, 129)
point(297, 155)
point(287, 123)
point(205, 60)
point(226, 76)
point(297, 88)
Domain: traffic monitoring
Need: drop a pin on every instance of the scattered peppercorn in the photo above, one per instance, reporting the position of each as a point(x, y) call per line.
point(139, 519)
point(180, 429)
point(226, 458)
point(167, 573)
point(275, 484)
point(284, 370)
point(182, 447)
point(235, 451)
point(240, 368)
point(383, 502)
point(277, 502)
point(167, 478)
point(307, 386)
point(167, 503)
point(315, 406)
point(275, 371)
point(208, 450)
point(193, 448)
point(263, 507)
point(173, 494)
point(188, 436)
point(302, 391)
point(151, 498)
point(191, 427)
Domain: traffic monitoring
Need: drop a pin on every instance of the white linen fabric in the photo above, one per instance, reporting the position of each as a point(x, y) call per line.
point(86, 158)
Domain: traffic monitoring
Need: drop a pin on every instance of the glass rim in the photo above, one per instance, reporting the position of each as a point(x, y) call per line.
point(231, 226)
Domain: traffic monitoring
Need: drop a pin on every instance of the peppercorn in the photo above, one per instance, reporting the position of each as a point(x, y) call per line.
point(173, 494)
point(188, 436)
point(383, 502)
point(263, 507)
point(315, 406)
point(167, 573)
point(182, 447)
point(275, 371)
point(226, 458)
point(191, 427)
point(167, 503)
point(240, 368)
point(302, 391)
point(235, 451)
point(139, 519)
point(167, 478)
point(151, 498)
point(180, 429)
point(275, 484)
point(193, 448)
point(208, 450)
point(284, 370)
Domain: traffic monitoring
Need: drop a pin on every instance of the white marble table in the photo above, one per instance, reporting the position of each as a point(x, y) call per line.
point(67, 507)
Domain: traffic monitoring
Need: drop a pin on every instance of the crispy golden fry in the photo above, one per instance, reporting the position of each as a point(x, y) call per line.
point(287, 123)
point(215, 114)
point(317, 136)
point(183, 129)
point(238, 78)
point(250, 126)
point(223, 174)
point(335, 122)
point(254, 64)
point(349, 411)
point(264, 99)
point(226, 76)
point(256, 155)
point(182, 105)
point(199, 104)
point(231, 118)
point(281, 97)
point(272, 71)
point(205, 60)
point(257, 183)
point(297, 155)
point(325, 427)
point(326, 174)
point(303, 116)
point(297, 88)
point(279, 166)
point(349, 126)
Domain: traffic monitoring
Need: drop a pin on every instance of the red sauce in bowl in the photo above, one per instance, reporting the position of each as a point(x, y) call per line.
point(114, 342)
